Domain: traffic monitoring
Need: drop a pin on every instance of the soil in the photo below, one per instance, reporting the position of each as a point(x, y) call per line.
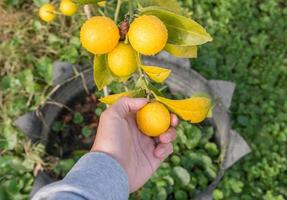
point(70, 138)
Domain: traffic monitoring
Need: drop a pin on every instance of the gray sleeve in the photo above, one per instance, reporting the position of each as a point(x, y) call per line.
point(95, 176)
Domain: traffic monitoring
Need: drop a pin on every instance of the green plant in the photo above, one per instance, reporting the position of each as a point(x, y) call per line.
point(249, 49)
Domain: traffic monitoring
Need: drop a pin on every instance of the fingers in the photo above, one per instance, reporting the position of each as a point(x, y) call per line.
point(126, 105)
point(173, 120)
point(162, 151)
point(168, 136)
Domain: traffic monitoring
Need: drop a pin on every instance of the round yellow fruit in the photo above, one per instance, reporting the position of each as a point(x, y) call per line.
point(99, 35)
point(147, 34)
point(122, 60)
point(153, 119)
point(47, 12)
point(68, 8)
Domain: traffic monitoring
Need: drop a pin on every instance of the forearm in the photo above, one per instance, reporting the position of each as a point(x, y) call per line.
point(94, 176)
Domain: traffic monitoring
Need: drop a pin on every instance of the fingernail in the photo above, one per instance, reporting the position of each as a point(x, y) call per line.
point(160, 153)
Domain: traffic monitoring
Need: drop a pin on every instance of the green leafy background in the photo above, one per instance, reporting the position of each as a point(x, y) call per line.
point(249, 48)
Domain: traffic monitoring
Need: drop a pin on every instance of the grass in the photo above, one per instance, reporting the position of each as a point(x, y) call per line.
point(249, 48)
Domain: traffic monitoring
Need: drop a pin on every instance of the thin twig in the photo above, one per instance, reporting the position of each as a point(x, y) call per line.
point(106, 91)
point(88, 11)
point(119, 2)
point(131, 10)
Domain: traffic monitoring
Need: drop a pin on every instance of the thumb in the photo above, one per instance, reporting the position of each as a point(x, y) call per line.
point(126, 105)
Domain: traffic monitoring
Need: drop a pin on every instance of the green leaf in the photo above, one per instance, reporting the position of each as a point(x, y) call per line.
point(27, 80)
point(194, 135)
point(181, 195)
point(10, 137)
point(102, 74)
point(217, 194)
point(6, 82)
point(172, 5)
point(40, 2)
point(64, 166)
point(182, 175)
point(211, 148)
point(154, 89)
point(78, 118)
point(57, 126)
point(44, 69)
point(86, 131)
point(28, 163)
point(82, 2)
point(145, 193)
point(98, 111)
point(181, 51)
point(181, 30)
point(12, 186)
point(161, 194)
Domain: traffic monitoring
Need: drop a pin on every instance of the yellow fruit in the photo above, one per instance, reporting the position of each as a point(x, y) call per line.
point(153, 119)
point(147, 34)
point(99, 35)
point(47, 12)
point(68, 8)
point(122, 60)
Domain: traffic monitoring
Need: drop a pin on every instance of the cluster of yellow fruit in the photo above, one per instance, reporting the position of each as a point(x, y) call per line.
point(147, 35)
point(48, 12)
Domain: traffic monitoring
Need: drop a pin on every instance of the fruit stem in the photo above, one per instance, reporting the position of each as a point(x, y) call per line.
point(119, 2)
point(141, 74)
point(131, 11)
point(87, 11)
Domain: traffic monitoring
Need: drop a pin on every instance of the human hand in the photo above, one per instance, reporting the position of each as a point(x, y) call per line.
point(119, 137)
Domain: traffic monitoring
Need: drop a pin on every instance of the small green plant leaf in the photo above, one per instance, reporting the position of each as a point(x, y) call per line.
point(181, 30)
point(57, 126)
point(44, 69)
point(181, 51)
point(181, 195)
point(98, 111)
point(211, 148)
point(78, 118)
point(64, 166)
point(6, 82)
point(102, 74)
point(217, 194)
point(86, 131)
point(182, 175)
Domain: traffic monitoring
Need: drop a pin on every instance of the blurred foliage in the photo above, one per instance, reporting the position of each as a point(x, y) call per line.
point(249, 48)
